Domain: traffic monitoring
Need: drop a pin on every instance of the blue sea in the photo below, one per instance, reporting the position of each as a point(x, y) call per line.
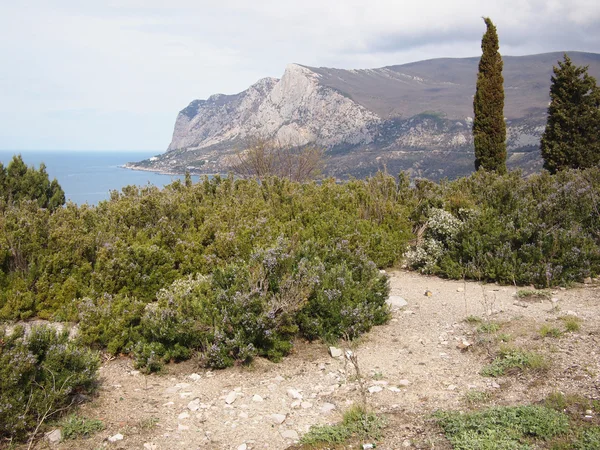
point(88, 177)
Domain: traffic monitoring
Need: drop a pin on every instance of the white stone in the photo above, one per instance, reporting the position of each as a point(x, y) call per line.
point(306, 405)
point(396, 301)
point(327, 408)
point(257, 398)
point(194, 405)
point(375, 389)
point(394, 389)
point(194, 377)
point(115, 438)
point(290, 434)
point(181, 427)
point(403, 383)
point(231, 397)
point(293, 393)
point(278, 418)
point(54, 436)
point(296, 404)
point(242, 447)
point(452, 387)
point(335, 352)
point(243, 415)
point(150, 446)
point(183, 415)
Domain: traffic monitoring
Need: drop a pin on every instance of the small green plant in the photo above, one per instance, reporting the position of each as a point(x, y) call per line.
point(509, 359)
point(533, 294)
point(474, 397)
point(550, 331)
point(75, 426)
point(473, 320)
point(502, 427)
point(357, 422)
point(571, 323)
point(489, 327)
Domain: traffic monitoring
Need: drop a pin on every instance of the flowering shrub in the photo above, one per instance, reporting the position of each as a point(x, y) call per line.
point(40, 375)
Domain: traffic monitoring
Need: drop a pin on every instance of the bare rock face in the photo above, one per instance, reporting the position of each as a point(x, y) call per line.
point(413, 117)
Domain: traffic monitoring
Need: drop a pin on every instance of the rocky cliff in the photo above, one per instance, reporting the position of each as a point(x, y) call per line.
point(412, 117)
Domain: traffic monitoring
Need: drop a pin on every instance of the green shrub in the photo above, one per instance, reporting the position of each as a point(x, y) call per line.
point(74, 426)
point(512, 358)
point(357, 422)
point(40, 375)
point(502, 427)
point(571, 323)
point(550, 331)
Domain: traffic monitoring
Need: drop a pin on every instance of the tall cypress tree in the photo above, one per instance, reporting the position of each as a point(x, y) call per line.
point(572, 135)
point(489, 129)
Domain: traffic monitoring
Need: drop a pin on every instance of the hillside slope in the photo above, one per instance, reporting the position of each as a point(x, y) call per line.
point(414, 117)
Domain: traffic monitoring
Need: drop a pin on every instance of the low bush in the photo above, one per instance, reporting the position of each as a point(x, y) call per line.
point(357, 423)
point(40, 376)
point(515, 359)
point(502, 427)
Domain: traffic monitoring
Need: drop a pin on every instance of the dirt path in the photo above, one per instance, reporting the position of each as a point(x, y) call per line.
point(412, 367)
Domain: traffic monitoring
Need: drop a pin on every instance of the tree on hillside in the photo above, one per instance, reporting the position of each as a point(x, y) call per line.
point(572, 135)
point(489, 129)
point(264, 158)
point(19, 182)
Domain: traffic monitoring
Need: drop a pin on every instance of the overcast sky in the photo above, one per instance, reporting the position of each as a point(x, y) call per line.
point(113, 74)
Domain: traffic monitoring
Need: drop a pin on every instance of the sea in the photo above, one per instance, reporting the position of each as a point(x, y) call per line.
point(89, 176)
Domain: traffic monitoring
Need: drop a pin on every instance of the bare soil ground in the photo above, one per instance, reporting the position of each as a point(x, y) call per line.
point(413, 367)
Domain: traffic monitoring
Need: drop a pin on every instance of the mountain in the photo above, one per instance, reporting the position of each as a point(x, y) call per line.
point(414, 117)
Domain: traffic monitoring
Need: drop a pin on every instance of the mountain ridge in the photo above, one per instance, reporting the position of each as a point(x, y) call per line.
point(414, 117)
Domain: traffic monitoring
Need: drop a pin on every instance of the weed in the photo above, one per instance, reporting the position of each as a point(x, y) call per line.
point(75, 426)
point(571, 323)
point(357, 422)
point(550, 331)
point(489, 327)
point(502, 427)
point(512, 358)
point(149, 423)
point(473, 319)
point(474, 397)
point(533, 294)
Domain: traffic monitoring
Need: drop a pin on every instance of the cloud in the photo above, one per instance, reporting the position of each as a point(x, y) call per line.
point(136, 63)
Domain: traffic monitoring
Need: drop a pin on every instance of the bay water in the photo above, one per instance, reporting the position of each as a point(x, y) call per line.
point(89, 176)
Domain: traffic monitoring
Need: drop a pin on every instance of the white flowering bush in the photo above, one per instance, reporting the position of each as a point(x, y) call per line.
point(441, 228)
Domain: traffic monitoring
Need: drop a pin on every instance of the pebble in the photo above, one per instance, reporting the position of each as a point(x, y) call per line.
point(375, 389)
point(194, 405)
point(296, 404)
point(460, 289)
point(495, 385)
point(243, 415)
point(293, 393)
point(406, 443)
point(306, 405)
point(134, 373)
point(278, 418)
point(403, 383)
point(150, 446)
point(571, 313)
point(327, 408)
point(290, 434)
point(242, 447)
point(394, 389)
point(115, 438)
point(257, 398)
point(168, 404)
point(335, 352)
point(231, 397)
point(182, 427)
point(452, 387)
point(194, 377)
point(183, 415)
point(54, 436)
point(397, 301)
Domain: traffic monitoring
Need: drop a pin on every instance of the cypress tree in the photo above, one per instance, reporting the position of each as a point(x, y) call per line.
point(572, 135)
point(489, 129)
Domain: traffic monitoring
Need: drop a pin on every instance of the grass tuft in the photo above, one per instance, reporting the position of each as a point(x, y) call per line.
point(512, 358)
point(75, 426)
point(550, 331)
point(357, 422)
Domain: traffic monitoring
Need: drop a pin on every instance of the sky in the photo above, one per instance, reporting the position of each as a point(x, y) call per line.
point(113, 74)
